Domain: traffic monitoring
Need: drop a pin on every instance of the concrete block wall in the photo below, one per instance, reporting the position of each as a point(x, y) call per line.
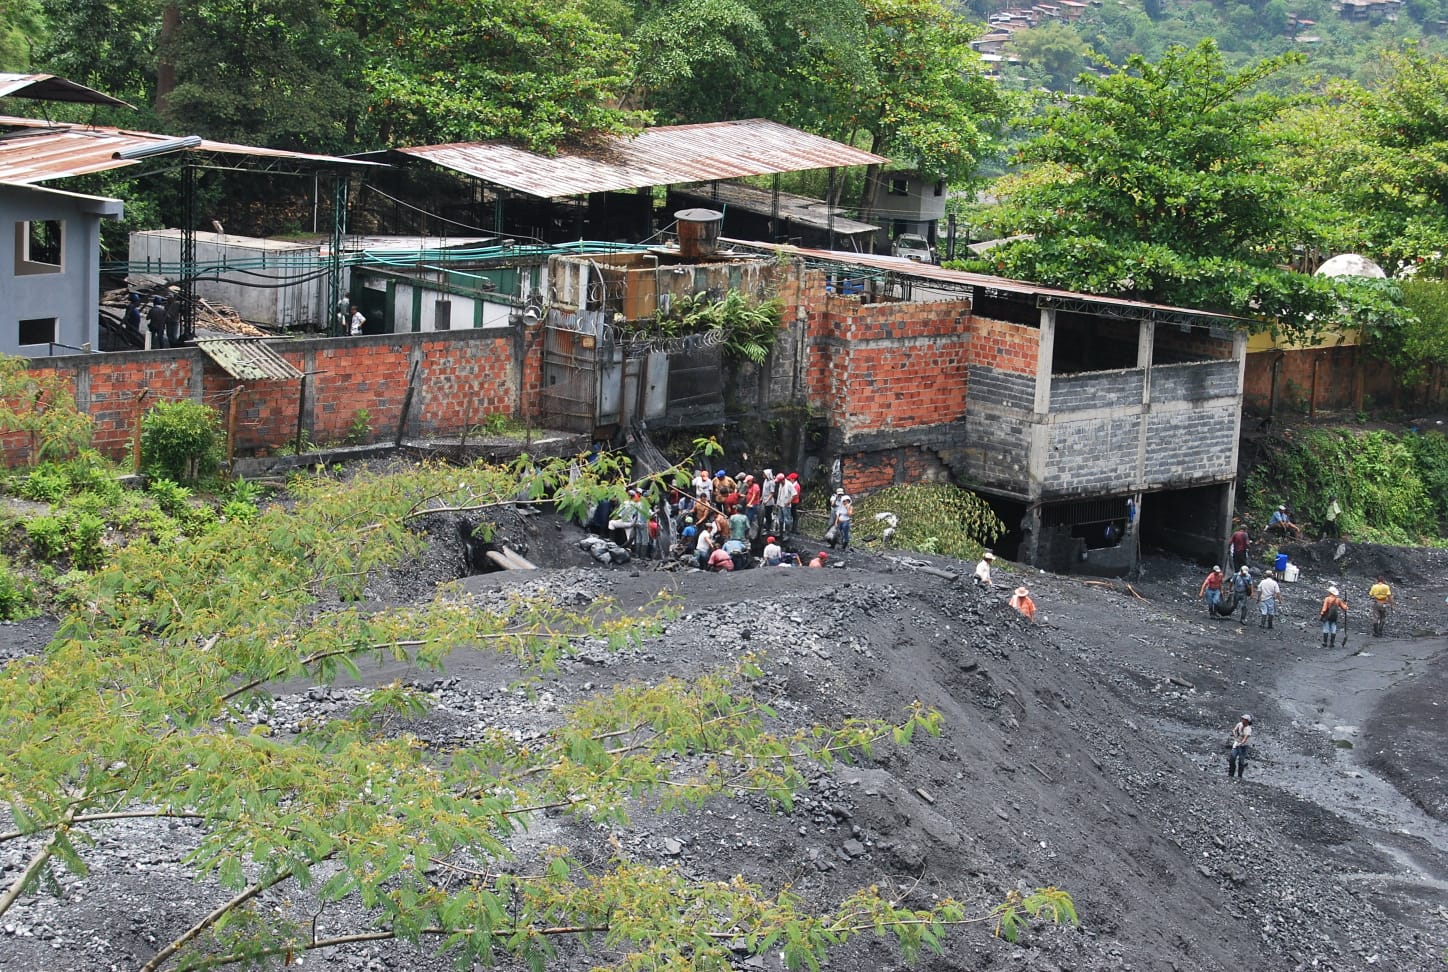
point(1092, 455)
point(1196, 381)
point(1190, 444)
point(1097, 389)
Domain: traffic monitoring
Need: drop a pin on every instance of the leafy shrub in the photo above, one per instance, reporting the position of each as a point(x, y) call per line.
point(17, 595)
point(180, 441)
point(933, 518)
point(361, 428)
point(1374, 476)
point(171, 496)
point(72, 535)
point(45, 484)
point(1430, 453)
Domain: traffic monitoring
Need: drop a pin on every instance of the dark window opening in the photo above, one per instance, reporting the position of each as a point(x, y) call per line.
point(39, 245)
point(899, 187)
point(1183, 343)
point(1085, 343)
point(940, 187)
point(37, 330)
point(1098, 523)
point(442, 315)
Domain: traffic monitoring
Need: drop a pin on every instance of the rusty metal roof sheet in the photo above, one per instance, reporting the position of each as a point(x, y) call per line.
point(48, 87)
point(963, 278)
point(653, 157)
point(250, 359)
point(32, 150)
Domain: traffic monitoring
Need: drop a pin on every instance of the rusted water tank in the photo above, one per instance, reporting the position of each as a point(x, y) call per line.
point(698, 231)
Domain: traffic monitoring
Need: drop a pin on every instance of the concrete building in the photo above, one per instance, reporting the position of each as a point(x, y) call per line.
point(50, 265)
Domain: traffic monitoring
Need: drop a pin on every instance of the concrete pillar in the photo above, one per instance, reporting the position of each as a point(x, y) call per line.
point(1043, 361)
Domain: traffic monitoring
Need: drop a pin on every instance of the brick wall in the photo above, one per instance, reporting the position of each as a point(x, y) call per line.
point(866, 472)
point(1336, 379)
point(463, 376)
point(1011, 348)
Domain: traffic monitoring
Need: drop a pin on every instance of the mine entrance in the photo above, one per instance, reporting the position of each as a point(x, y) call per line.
point(1187, 522)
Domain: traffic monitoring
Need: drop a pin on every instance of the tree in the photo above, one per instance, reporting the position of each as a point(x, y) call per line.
point(898, 75)
point(1055, 48)
point(40, 406)
point(140, 707)
point(265, 72)
point(526, 71)
point(21, 32)
point(1163, 183)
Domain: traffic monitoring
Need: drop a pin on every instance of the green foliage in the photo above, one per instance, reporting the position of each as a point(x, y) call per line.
point(1420, 342)
point(181, 441)
point(360, 431)
point(136, 707)
point(746, 328)
point(933, 518)
point(44, 485)
point(41, 403)
point(173, 498)
point(1375, 477)
point(72, 536)
point(1430, 459)
point(1163, 182)
point(17, 594)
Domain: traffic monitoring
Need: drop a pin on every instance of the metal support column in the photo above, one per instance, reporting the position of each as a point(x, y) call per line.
point(830, 208)
point(188, 252)
point(341, 185)
point(774, 210)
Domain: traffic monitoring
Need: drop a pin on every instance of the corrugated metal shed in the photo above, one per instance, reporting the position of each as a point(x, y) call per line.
point(654, 157)
point(33, 151)
point(48, 87)
point(250, 359)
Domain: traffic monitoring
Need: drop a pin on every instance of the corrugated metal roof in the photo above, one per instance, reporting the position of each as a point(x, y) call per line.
point(250, 359)
point(962, 278)
point(33, 151)
point(654, 157)
point(48, 87)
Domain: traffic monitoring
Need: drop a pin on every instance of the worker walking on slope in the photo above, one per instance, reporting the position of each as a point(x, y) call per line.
point(1334, 613)
point(1212, 590)
point(1269, 592)
point(1382, 596)
point(1241, 745)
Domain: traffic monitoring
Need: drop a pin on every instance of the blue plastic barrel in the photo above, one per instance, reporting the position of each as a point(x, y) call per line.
point(1281, 563)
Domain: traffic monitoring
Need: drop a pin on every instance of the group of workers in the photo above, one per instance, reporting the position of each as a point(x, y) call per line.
point(1268, 593)
point(1020, 599)
point(162, 316)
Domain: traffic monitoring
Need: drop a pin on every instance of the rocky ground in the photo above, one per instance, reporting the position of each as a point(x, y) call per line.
point(1086, 751)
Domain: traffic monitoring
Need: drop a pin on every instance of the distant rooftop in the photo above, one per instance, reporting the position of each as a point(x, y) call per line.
point(48, 87)
point(671, 155)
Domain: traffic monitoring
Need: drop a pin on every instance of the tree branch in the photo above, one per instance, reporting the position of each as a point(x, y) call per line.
point(163, 956)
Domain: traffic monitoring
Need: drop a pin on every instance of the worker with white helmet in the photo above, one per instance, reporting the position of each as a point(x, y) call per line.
point(1241, 741)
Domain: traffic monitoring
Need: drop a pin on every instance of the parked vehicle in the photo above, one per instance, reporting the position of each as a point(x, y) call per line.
point(915, 247)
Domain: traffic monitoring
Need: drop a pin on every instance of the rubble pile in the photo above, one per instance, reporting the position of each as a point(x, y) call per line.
point(220, 318)
point(1086, 751)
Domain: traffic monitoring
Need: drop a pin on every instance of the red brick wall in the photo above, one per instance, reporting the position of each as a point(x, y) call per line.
point(463, 376)
point(867, 472)
point(1009, 347)
point(881, 367)
point(1336, 380)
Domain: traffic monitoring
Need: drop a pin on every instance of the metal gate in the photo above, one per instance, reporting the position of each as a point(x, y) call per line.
point(593, 384)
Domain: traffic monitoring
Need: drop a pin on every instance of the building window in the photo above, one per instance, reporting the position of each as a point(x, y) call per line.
point(38, 246)
point(37, 330)
point(442, 315)
point(940, 187)
point(900, 187)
